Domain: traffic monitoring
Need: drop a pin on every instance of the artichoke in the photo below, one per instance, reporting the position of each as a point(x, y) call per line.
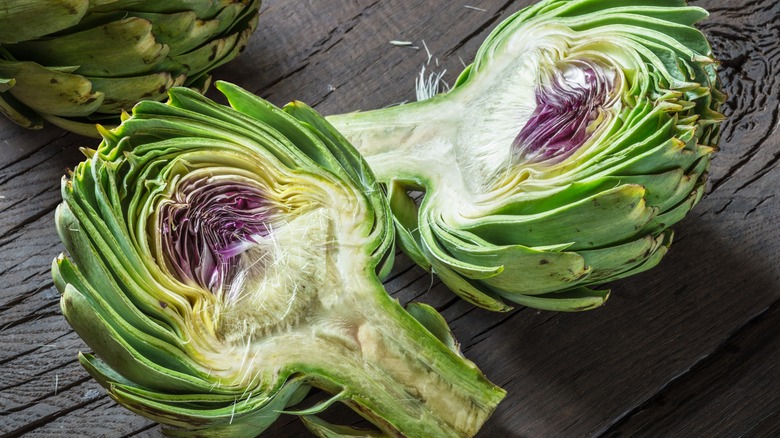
point(583, 130)
point(76, 63)
point(223, 261)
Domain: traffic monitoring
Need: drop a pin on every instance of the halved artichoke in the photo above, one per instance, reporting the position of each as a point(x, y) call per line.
point(224, 260)
point(583, 130)
point(76, 63)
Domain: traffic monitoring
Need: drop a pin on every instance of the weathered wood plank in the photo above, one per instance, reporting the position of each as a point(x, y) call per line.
point(48, 409)
point(711, 397)
point(670, 335)
point(103, 417)
point(40, 371)
point(340, 58)
point(29, 186)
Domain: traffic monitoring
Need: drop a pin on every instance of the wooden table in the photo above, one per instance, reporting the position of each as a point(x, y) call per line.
point(689, 349)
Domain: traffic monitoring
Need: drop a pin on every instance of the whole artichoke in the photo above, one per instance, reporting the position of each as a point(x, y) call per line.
point(583, 130)
point(225, 260)
point(76, 63)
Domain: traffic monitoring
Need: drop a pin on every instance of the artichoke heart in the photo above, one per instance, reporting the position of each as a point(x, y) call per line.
point(224, 261)
point(583, 130)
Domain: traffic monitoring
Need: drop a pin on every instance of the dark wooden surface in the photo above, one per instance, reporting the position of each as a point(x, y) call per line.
point(690, 349)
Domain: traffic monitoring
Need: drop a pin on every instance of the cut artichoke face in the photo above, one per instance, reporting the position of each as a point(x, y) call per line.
point(560, 158)
point(95, 59)
point(224, 260)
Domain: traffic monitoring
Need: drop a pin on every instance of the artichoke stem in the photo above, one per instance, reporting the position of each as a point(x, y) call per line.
point(404, 380)
point(388, 137)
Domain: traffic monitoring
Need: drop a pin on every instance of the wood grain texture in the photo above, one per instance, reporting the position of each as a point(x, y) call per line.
point(687, 349)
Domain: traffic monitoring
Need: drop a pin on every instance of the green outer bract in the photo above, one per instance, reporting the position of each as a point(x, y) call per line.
point(76, 63)
point(540, 233)
point(213, 364)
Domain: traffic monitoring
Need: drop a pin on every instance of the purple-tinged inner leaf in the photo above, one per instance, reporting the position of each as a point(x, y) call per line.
point(568, 102)
point(208, 224)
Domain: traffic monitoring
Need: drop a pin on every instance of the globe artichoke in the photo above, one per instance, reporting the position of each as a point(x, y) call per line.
point(583, 130)
point(75, 63)
point(225, 260)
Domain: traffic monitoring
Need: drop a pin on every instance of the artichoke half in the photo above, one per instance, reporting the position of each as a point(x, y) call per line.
point(583, 130)
point(223, 261)
point(76, 63)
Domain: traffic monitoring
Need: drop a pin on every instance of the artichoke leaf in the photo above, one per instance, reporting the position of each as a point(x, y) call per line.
point(121, 257)
point(553, 270)
point(18, 113)
point(667, 189)
point(405, 220)
point(351, 161)
point(277, 128)
point(101, 336)
point(614, 260)
point(432, 244)
point(666, 239)
point(182, 31)
point(124, 93)
point(682, 37)
point(83, 126)
point(315, 150)
point(671, 151)
point(679, 211)
point(609, 217)
point(51, 92)
point(323, 429)
point(243, 416)
point(686, 16)
point(6, 84)
point(24, 20)
point(435, 323)
point(577, 300)
point(468, 290)
point(581, 7)
point(203, 8)
point(216, 52)
point(119, 48)
point(66, 273)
